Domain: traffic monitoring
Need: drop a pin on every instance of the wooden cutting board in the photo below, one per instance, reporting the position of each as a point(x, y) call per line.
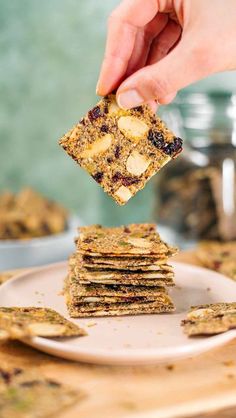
point(203, 386)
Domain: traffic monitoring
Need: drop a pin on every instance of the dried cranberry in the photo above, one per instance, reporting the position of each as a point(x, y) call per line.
point(6, 376)
point(217, 264)
point(95, 113)
point(104, 128)
point(117, 176)
point(88, 240)
point(156, 138)
point(138, 109)
point(126, 230)
point(173, 148)
point(127, 181)
point(117, 151)
point(98, 177)
point(128, 299)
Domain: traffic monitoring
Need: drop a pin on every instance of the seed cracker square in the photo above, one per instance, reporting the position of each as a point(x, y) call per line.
point(24, 322)
point(123, 263)
point(131, 240)
point(87, 292)
point(162, 303)
point(210, 319)
point(121, 149)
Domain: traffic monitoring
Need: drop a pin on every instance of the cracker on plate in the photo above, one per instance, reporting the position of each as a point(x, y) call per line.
point(210, 319)
point(131, 240)
point(124, 263)
point(121, 149)
point(82, 290)
point(118, 267)
point(161, 304)
point(24, 322)
point(80, 293)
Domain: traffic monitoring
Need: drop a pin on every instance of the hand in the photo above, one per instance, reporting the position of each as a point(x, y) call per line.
point(156, 47)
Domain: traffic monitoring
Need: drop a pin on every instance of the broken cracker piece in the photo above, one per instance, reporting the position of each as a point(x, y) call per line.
point(25, 322)
point(210, 319)
point(121, 149)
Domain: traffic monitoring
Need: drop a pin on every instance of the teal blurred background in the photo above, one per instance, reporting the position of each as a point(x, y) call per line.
point(51, 52)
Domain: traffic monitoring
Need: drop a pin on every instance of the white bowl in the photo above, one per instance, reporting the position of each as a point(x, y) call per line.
point(38, 251)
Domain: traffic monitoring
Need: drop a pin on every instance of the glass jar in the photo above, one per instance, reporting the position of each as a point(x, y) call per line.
point(196, 193)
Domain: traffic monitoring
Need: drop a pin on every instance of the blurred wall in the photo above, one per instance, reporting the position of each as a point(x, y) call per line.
point(50, 53)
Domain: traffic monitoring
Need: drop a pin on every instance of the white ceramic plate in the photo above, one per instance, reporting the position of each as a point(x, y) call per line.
point(142, 339)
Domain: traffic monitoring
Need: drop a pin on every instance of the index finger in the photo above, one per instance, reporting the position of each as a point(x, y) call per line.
point(123, 25)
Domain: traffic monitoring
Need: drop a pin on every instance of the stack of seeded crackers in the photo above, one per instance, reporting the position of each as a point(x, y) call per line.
point(119, 271)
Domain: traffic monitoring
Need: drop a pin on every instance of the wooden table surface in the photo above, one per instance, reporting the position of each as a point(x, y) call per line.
point(204, 386)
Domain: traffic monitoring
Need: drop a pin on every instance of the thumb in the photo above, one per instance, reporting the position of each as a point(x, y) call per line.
point(181, 67)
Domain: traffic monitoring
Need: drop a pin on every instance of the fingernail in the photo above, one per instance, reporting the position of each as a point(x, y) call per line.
point(97, 88)
point(153, 105)
point(129, 99)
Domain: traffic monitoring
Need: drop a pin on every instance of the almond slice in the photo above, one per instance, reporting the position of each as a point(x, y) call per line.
point(91, 299)
point(123, 193)
point(45, 329)
point(132, 127)
point(113, 107)
point(98, 146)
point(199, 313)
point(136, 163)
point(140, 242)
